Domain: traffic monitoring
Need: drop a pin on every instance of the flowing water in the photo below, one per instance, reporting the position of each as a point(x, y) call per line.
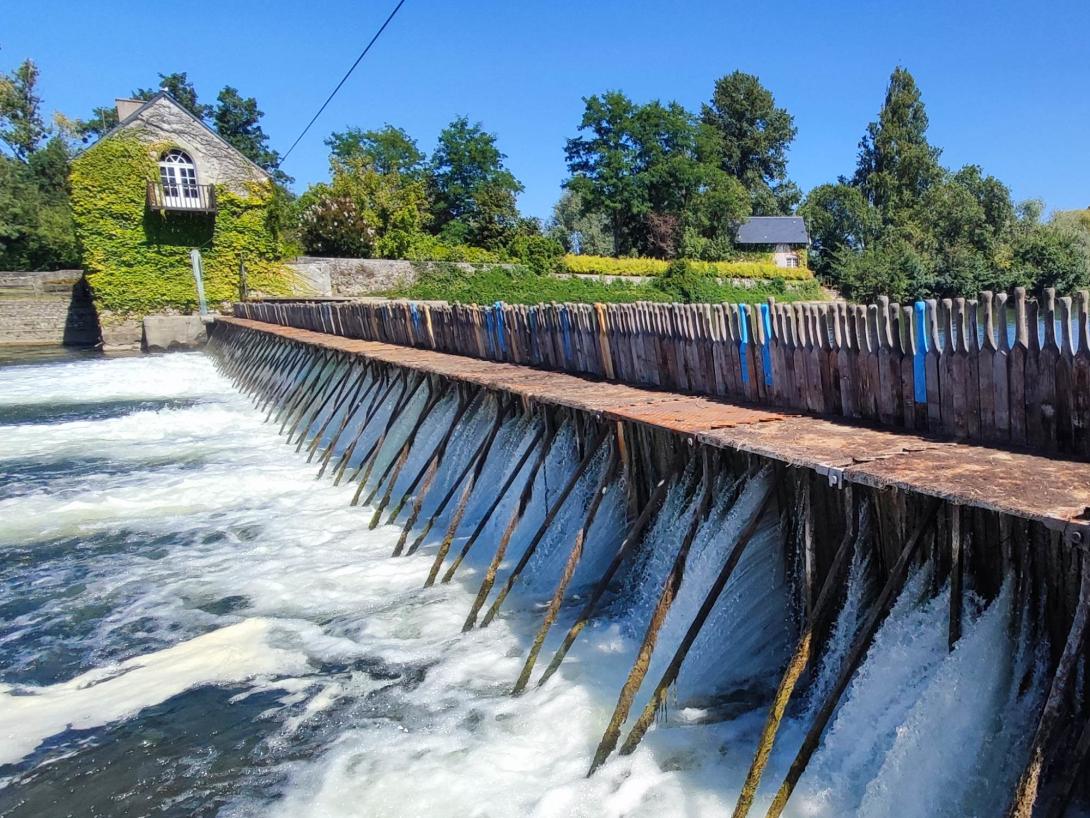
point(191, 624)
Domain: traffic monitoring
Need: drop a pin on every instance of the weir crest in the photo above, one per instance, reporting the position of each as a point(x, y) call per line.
point(752, 583)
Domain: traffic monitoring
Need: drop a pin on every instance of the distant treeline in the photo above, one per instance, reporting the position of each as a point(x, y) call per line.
point(645, 179)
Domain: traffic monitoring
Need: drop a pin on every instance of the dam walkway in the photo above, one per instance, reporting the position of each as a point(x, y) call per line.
point(1050, 490)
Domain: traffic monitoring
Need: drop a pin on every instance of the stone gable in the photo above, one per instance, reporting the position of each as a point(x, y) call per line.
point(163, 121)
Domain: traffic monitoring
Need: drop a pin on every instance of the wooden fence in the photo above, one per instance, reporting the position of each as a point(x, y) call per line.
point(997, 370)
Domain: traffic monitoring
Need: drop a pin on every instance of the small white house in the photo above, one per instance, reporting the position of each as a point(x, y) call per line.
point(783, 236)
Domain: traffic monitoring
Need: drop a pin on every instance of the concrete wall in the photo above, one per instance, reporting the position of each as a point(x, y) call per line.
point(47, 308)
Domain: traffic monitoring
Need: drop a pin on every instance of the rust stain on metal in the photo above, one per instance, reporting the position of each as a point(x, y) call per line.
point(1053, 491)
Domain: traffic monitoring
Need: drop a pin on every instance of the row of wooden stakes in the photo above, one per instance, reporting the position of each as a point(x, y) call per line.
point(1008, 371)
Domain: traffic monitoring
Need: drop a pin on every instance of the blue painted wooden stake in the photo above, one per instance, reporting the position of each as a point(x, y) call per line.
point(415, 315)
point(766, 350)
point(565, 324)
point(919, 370)
point(743, 341)
point(498, 307)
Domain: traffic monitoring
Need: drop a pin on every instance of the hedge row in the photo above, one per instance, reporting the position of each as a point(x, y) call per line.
point(604, 265)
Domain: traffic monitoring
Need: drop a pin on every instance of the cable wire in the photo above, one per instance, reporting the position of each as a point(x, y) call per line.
point(344, 79)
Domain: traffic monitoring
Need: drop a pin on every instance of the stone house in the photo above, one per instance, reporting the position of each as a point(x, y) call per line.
point(197, 160)
point(153, 189)
point(782, 236)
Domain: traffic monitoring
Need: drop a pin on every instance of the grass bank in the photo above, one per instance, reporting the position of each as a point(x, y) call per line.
point(520, 285)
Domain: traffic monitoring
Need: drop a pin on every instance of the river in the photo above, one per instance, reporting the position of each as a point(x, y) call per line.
point(191, 624)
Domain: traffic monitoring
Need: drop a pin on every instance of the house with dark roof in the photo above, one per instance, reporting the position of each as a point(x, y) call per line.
point(782, 236)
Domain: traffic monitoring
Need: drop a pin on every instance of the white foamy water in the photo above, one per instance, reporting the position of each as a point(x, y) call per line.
point(192, 624)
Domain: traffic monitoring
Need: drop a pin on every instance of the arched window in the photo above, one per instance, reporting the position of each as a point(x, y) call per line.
point(179, 177)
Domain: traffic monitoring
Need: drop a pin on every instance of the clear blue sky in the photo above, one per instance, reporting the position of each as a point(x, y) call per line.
point(1006, 84)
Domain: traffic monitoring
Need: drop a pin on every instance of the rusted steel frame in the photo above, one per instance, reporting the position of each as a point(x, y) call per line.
point(256, 376)
point(297, 373)
point(317, 393)
point(332, 387)
point(430, 468)
point(658, 616)
point(347, 386)
point(670, 675)
point(297, 389)
point(397, 463)
point(280, 374)
point(609, 473)
point(404, 397)
point(631, 538)
point(592, 450)
point(524, 495)
point(797, 664)
point(357, 403)
point(1025, 795)
point(467, 492)
point(512, 525)
point(478, 456)
point(350, 402)
point(377, 401)
point(851, 661)
point(247, 348)
point(246, 355)
point(956, 571)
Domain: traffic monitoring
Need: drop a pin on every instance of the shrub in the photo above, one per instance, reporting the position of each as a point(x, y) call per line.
point(540, 253)
point(603, 265)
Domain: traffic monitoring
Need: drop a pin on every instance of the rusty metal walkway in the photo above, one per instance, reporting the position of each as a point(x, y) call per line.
point(1052, 491)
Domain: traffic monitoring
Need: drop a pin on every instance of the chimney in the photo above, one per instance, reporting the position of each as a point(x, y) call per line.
point(126, 107)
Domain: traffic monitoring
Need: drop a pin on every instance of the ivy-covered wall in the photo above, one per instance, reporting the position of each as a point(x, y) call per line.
point(137, 260)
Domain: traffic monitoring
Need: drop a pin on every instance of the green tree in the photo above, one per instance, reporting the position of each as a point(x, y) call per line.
point(390, 149)
point(238, 120)
point(840, 220)
point(752, 139)
point(22, 128)
point(578, 231)
point(896, 163)
point(651, 170)
point(472, 192)
point(364, 213)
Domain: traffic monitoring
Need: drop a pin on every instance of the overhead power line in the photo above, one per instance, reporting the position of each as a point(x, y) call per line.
point(344, 79)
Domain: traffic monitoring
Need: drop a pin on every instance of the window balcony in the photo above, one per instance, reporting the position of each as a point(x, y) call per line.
point(189, 198)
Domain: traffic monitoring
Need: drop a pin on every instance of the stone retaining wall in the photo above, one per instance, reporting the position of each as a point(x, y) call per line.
point(39, 308)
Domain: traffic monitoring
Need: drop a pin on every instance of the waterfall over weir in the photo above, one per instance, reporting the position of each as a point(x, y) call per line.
point(351, 646)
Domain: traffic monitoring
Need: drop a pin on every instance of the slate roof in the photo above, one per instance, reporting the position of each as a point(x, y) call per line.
point(773, 230)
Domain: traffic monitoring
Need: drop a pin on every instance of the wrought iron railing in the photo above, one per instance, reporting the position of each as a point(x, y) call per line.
point(188, 198)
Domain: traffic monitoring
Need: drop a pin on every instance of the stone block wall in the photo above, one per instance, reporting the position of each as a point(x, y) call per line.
point(43, 308)
point(359, 277)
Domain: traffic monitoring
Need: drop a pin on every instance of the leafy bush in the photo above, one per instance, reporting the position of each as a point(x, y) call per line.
point(603, 265)
point(540, 253)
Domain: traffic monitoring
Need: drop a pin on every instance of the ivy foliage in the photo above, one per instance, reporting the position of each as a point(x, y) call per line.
point(137, 261)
